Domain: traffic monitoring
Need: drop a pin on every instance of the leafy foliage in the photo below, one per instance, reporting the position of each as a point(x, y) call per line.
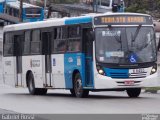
point(142, 5)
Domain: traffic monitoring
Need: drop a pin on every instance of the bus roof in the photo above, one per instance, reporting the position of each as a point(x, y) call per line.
point(2, 1)
point(16, 4)
point(60, 22)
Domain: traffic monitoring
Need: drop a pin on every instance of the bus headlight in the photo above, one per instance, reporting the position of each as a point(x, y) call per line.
point(154, 69)
point(100, 70)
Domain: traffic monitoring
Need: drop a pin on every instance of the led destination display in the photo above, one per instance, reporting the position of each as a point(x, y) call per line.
point(119, 20)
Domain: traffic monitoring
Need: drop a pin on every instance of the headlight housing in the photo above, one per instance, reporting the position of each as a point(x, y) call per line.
point(154, 69)
point(100, 70)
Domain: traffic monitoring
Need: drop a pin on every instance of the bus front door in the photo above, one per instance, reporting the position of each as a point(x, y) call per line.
point(88, 49)
point(46, 51)
point(18, 40)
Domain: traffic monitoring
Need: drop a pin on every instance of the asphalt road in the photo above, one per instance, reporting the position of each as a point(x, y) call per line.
point(60, 102)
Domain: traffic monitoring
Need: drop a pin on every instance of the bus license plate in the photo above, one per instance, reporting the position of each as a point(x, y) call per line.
point(130, 82)
point(141, 70)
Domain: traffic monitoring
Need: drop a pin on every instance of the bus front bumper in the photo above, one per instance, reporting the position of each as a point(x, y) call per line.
point(104, 82)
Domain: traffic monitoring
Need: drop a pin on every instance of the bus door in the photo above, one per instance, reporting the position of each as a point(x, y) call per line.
point(46, 51)
point(18, 46)
point(88, 49)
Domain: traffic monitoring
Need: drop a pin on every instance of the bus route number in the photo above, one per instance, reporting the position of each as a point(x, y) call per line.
point(141, 70)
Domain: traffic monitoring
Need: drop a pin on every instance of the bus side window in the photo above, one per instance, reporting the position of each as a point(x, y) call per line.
point(35, 42)
point(74, 43)
point(8, 44)
point(27, 43)
point(60, 40)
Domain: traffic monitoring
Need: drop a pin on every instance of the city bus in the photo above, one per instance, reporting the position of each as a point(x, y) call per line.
point(98, 52)
point(31, 13)
point(2, 6)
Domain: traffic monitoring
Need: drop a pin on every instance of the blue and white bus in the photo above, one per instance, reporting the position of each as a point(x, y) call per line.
point(101, 52)
point(2, 6)
point(31, 13)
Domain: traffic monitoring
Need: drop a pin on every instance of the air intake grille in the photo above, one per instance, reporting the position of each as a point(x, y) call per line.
point(138, 75)
point(118, 75)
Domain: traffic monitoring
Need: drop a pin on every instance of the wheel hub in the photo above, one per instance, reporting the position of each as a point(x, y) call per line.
point(78, 86)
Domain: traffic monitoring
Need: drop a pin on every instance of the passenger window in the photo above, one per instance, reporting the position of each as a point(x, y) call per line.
point(27, 43)
point(8, 44)
point(74, 44)
point(35, 42)
point(36, 35)
point(59, 43)
point(8, 38)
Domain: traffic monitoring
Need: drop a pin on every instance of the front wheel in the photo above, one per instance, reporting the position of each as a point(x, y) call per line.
point(78, 88)
point(32, 89)
point(134, 92)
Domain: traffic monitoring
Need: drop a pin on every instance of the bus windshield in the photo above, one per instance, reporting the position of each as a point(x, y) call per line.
point(125, 45)
point(33, 10)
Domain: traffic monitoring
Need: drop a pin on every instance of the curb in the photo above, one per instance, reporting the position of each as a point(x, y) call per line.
point(153, 92)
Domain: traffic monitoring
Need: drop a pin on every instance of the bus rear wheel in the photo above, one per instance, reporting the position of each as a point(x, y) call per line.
point(134, 92)
point(32, 89)
point(78, 88)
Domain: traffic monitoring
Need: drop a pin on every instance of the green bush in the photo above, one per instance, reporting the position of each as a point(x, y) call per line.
point(132, 8)
point(141, 11)
point(152, 89)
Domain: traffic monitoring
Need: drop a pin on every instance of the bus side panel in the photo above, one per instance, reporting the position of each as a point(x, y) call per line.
point(74, 61)
point(58, 70)
point(34, 64)
point(9, 71)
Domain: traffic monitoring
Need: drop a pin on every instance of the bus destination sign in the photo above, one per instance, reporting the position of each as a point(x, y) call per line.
point(121, 20)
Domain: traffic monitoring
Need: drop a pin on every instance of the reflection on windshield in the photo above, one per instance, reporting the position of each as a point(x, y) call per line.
point(127, 45)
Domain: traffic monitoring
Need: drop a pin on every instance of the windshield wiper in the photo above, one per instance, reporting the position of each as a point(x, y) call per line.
point(136, 33)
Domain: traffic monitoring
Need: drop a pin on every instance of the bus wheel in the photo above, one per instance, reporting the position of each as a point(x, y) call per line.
point(78, 89)
point(134, 92)
point(32, 89)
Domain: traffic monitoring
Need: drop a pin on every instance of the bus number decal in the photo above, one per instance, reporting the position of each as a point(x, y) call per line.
point(8, 63)
point(35, 63)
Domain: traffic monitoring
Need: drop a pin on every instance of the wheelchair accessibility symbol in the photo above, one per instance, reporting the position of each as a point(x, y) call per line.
point(133, 59)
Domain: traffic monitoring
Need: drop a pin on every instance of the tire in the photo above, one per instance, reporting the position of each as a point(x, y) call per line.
point(134, 92)
point(32, 89)
point(78, 88)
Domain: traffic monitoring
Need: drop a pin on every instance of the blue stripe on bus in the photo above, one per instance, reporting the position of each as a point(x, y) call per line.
point(70, 64)
point(77, 61)
point(117, 73)
point(78, 20)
